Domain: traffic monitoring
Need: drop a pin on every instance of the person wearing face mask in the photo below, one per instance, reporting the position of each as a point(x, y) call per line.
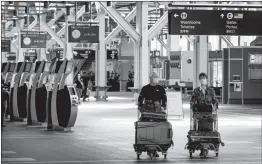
point(153, 92)
point(203, 95)
point(203, 100)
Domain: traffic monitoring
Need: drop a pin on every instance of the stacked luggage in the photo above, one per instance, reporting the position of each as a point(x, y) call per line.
point(153, 133)
point(203, 134)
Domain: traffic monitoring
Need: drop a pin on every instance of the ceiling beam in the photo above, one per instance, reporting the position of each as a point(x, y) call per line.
point(125, 25)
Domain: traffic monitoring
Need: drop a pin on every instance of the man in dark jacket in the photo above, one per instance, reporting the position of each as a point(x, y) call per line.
point(153, 92)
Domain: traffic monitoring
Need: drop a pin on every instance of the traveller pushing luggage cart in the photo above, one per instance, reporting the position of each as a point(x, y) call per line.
point(203, 134)
point(153, 132)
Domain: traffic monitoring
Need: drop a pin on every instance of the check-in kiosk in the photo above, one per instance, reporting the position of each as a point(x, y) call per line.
point(20, 66)
point(10, 70)
point(38, 92)
point(22, 91)
point(55, 74)
point(62, 99)
point(66, 101)
point(4, 68)
point(33, 77)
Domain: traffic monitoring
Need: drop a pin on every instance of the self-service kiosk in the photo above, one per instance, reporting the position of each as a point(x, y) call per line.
point(37, 93)
point(22, 91)
point(4, 68)
point(20, 66)
point(10, 70)
point(62, 99)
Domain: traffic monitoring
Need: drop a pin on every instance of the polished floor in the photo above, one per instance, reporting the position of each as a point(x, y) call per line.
point(104, 133)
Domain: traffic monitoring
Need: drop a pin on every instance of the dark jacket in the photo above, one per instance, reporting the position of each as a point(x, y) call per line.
point(209, 98)
point(153, 93)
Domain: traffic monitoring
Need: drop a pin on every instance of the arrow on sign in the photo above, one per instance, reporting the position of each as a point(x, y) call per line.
point(176, 15)
point(222, 16)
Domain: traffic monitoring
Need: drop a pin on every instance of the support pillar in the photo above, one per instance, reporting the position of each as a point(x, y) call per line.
point(137, 69)
point(68, 52)
point(200, 59)
point(101, 60)
point(144, 49)
point(42, 55)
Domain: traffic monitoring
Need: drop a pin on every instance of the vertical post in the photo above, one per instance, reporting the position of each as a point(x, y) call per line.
point(242, 87)
point(101, 59)
point(20, 55)
point(144, 62)
point(137, 69)
point(200, 59)
point(42, 55)
point(68, 53)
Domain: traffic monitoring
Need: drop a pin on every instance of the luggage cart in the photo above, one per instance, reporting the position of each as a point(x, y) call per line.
point(152, 144)
point(203, 140)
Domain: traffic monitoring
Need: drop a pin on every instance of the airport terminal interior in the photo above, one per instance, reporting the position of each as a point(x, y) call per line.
point(72, 74)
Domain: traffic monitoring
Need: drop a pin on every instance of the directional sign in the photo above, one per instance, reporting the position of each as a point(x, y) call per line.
point(11, 56)
point(214, 22)
point(83, 34)
point(81, 54)
point(33, 39)
point(112, 54)
point(5, 45)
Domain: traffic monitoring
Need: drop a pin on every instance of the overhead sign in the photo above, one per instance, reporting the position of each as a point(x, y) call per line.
point(11, 56)
point(5, 45)
point(83, 34)
point(214, 22)
point(59, 53)
point(81, 54)
point(30, 56)
point(112, 54)
point(33, 39)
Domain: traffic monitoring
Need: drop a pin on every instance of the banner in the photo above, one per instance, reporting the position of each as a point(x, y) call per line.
point(83, 34)
point(33, 39)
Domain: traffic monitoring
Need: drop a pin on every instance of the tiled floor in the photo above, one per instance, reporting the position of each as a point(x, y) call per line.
point(104, 133)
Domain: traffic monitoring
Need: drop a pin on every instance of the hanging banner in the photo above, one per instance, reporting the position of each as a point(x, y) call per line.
point(112, 54)
point(83, 34)
point(81, 54)
point(33, 39)
point(5, 45)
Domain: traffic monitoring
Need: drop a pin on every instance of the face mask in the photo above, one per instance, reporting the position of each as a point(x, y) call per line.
point(204, 81)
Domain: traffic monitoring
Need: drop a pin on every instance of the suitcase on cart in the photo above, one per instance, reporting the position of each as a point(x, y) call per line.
point(153, 136)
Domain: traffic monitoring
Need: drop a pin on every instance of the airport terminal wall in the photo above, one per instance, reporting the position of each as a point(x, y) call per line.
point(235, 73)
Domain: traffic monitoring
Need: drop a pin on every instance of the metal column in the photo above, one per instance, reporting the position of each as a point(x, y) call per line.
point(200, 59)
point(101, 60)
point(144, 51)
